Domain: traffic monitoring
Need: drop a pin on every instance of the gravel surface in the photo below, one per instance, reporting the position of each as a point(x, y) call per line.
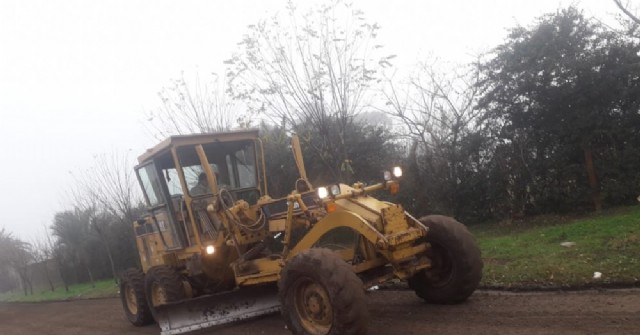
point(391, 312)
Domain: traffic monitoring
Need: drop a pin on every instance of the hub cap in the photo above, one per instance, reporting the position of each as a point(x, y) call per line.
point(130, 298)
point(313, 307)
point(158, 295)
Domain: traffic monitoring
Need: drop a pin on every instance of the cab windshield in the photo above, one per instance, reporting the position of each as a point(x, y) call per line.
point(233, 163)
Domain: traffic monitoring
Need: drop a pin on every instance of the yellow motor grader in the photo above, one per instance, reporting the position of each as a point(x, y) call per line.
point(215, 248)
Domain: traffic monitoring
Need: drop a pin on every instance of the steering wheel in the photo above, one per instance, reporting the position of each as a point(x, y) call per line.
point(302, 186)
point(225, 198)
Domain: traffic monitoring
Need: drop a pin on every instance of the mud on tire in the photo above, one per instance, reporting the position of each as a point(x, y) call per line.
point(163, 284)
point(321, 294)
point(134, 301)
point(456, 263)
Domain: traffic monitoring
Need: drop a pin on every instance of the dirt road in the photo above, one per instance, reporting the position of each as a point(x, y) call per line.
point(392, 312)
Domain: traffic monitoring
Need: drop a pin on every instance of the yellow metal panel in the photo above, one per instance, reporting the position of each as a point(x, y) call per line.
point(395, 220)
point(261, 279)
point(156, 249)
point(277, 225)
point(406, 253)
point(370, 264)
point(408, 270)
point(182, 140)
point(297, 155)
point(335, 220)
point(263, 270)
point(405, 236)
point(170, 259)
point(144, 261)
point(346, 254)
point(189, 251)
point(188, 200)
point(356, 206)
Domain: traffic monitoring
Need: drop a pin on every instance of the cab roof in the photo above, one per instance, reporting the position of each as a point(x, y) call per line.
point(186, 140)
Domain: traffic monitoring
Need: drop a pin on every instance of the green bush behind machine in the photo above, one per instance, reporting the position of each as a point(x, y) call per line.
point(215, 248)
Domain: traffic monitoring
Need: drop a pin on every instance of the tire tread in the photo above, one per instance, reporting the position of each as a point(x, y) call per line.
point(468, 264)
point(342, 284)
point(135, 278)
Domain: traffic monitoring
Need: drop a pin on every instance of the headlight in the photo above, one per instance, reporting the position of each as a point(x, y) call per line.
point(323, 192)
point(387, 175)
point(210, 249)
point(397, 172)
point(335, 190)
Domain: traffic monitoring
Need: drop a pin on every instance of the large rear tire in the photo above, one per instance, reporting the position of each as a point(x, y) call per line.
point(456, 263)
point(320, 294)
point(133, 298)
point(163, 285)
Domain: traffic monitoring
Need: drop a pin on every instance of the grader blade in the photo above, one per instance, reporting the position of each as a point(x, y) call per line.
point(212, 310)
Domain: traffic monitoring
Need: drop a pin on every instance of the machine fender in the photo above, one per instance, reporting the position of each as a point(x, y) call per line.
point(336, 220)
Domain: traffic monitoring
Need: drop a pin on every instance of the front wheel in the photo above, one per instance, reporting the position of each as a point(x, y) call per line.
point(456, 263)
point(320, 294)
point(133, 298)
point(163, 285)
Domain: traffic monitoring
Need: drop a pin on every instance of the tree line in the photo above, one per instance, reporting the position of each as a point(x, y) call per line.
point(546, 122)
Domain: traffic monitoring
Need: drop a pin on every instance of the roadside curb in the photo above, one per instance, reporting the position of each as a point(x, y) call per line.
point(533, 288)
point(58, 300)
point(402, 286)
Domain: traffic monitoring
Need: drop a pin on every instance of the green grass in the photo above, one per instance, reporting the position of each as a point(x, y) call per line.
point(529, 254)
point(104, 288)
point(517, 255)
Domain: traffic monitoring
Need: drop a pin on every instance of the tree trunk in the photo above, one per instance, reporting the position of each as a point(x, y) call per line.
point(421, 199)
point(113, 266)
point(454, 204)
point(93, 284)
point(45, 272)
point(48, 275)
point(61, 273)
point(24, 286)
point(26, 281)
point(593, 179)
point(107, 248)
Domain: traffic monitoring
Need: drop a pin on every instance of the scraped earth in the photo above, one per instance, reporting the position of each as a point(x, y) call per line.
point(391, 312)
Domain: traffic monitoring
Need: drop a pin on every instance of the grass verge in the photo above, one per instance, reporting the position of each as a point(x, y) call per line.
point(104, 288)
point(529, 255)
point(523, 255)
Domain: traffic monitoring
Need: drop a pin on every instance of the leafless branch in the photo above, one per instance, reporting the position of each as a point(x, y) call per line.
point(626, 11)
point(198, 107)
point(312, 70)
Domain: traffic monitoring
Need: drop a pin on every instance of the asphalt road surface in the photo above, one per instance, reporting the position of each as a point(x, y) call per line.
point(391, 312)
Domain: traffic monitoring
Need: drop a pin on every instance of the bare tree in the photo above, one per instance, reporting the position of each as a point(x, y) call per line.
point(17, 255)
point(43, 254)
point(72, 229)
point(58, 253)
point(108, 185)
point(625, 9)
point(106, 192)
point(316, 68)
point(434, 106)
point(436, 112)
point(201, 107)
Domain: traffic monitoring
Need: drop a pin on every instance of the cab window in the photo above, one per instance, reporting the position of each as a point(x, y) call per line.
point(235, 162)
point(151, 184)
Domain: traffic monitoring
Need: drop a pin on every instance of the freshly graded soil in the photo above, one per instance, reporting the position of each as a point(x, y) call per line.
point(391, 312)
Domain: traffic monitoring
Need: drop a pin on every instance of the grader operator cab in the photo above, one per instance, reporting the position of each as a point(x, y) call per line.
point(215, 248)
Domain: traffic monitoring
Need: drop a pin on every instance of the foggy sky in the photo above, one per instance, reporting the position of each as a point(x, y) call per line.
point(78, 77)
